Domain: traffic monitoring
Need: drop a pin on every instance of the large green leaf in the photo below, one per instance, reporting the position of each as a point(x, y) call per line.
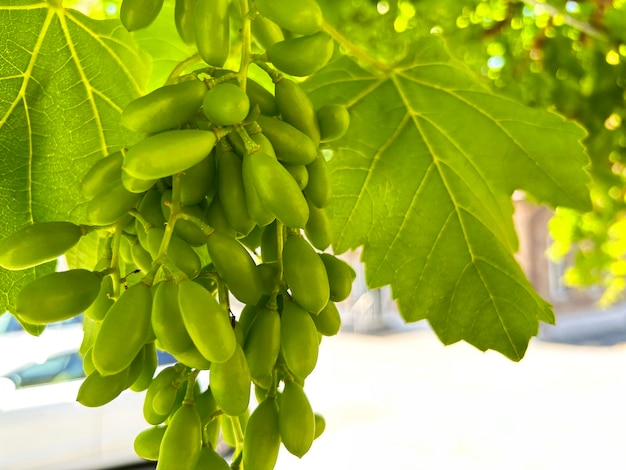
point(423, 180)
point(64, 79)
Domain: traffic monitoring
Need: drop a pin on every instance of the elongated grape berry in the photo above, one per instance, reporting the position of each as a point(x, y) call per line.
point(226, 104)
point(38, 243)
point(57, 296)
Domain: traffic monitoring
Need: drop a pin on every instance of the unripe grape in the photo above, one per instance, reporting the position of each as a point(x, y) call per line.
point(328, 321)
point(230, 383)
point(99, 308)
point(261, 441)
point(296, 108)
point(164, 378)
point(152, 157)
point(178, 252)
point(210, 459)
point(231, 191)
point(263, 343)
point(193, 358)
point(148, 442)
point(317, 228)
point(295, 419)
point(196, 181)
point(297, 16)
point(318, 190)
point(57, 296)
point(187, 230)
point(305, 274)
point(101, 174)
point(167, 321)
point(216, 218)
point(38, 243)
point(276, 189)
point(184, 19)
point(226, 104)
point(266, 32)
point(320, 424)
point(139, 14)
point(111, 204)
point(334, 121)
point(291, 145)
point(340, 276)
point(98, 390)
point(182, 440)
point(150, 362)
point(299, 173)
point(302, 56)
point(165, 108)
point(212, 30)
point(298, 340)
point(207, 322)
point(124, 330)
point(236, 267)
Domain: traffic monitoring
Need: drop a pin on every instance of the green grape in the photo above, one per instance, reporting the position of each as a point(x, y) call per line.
point(263, 343)
point(88, 366)
point(298, 340)
point(124, 330)
point(334, 121)
point(231, 191)
point(296, 420)
point(38, 243)
point(167, 321)
point(184, 19)
point(291, 145)
point(296, 108)
point(318, 191)
point(277, 189)
point(179, 252)
point(256, 208)
point(302, 56)
point(141, 257)
point(148, 442)
point(182, 440)
point(111, 204)
point(196, 181)
point(210, 459)
point(188, 230)
point(212, 31)
point(252, 241)
point(270, 276)
point(163, 379)
point(165, 108)
point(246, 317)
point(57, 296)
point(262, 98)
point(317, 228)
point(230, 383)
point(269, 243)
point(152, 157)
point(90, 333)
point(305, 274)
point(216, 218)
point(320, 425)
point(340, 276)
point(136, 367)
point(139, 14)
point(226, 104)
point(227, 424)
point(98, 309)
point(328, 321)
point(299, 173)
point(150, 362)
point(236, 267)
point(297, 16)
point(207, 322)
point(101, 174)
point(266, 32)
point(150, 210)
point(261, 441)
point(136, 185)
point(164, 399)
point(193, 358)
point(98, 390)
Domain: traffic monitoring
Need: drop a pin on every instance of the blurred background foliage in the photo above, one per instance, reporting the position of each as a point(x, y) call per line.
point(567, 56)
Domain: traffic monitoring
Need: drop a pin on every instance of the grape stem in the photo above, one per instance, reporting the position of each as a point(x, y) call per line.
point(181, 66)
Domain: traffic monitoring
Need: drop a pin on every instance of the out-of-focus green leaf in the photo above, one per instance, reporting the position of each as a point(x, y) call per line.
point(423, 180)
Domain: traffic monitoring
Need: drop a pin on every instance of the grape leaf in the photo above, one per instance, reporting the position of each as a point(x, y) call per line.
point(62, 113)
point(423, 180)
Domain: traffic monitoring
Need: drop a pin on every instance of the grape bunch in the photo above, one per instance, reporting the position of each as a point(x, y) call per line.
point(225, 197)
